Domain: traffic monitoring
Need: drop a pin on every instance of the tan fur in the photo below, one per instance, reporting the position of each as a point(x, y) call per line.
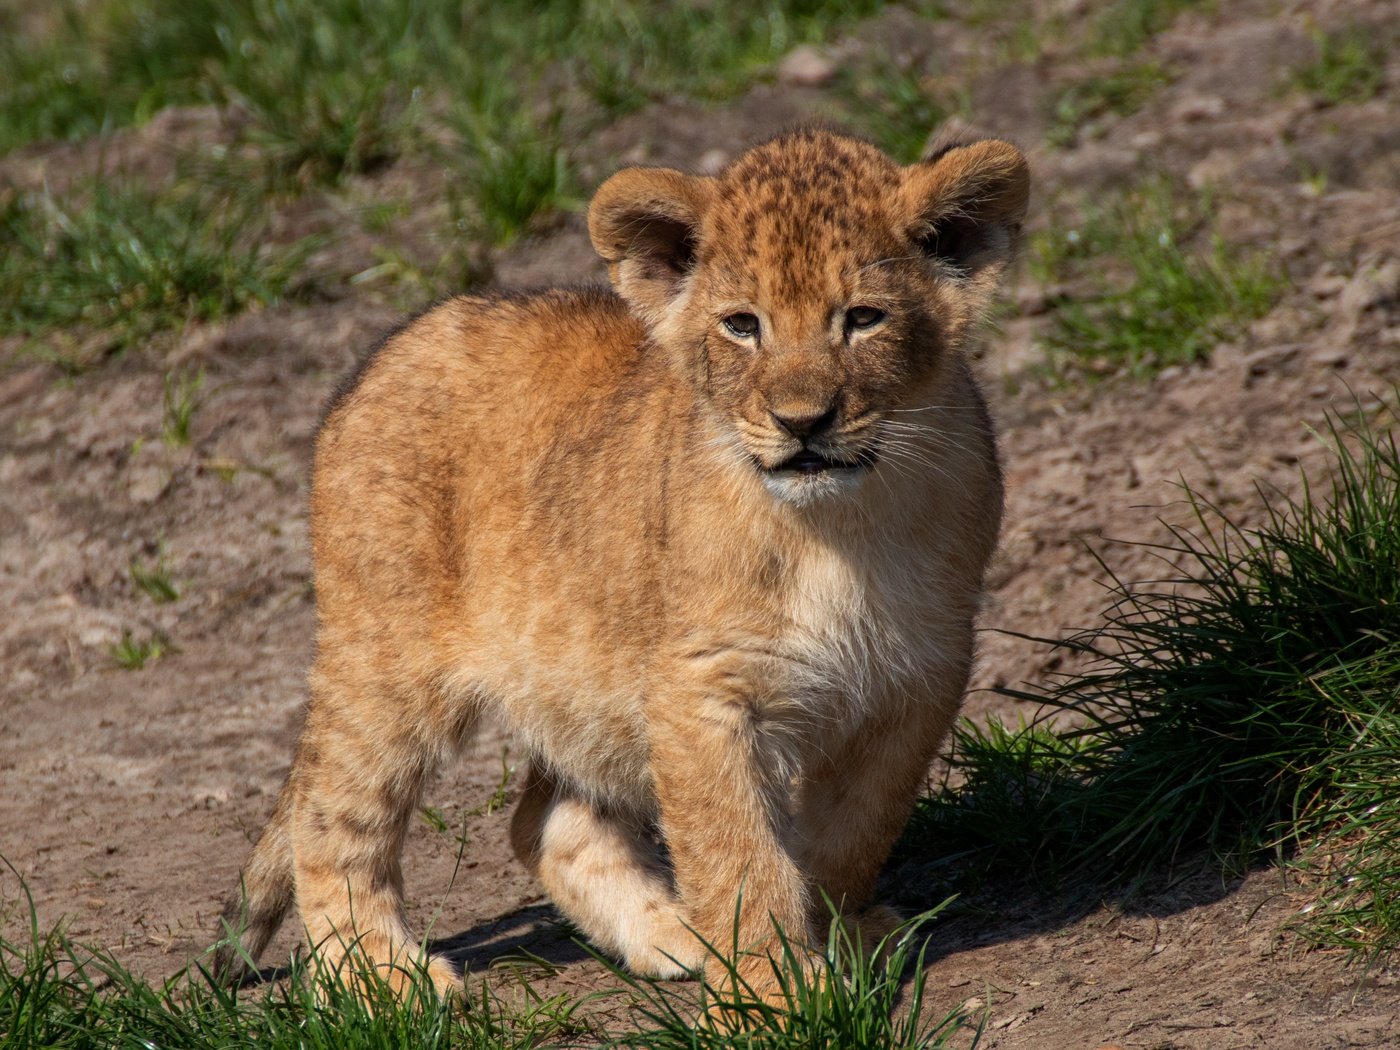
point(561, 510)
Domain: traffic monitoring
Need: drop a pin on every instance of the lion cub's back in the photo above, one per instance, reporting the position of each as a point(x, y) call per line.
point(444, 421)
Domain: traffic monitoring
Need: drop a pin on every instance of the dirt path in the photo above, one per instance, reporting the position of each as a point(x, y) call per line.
point(127, 797)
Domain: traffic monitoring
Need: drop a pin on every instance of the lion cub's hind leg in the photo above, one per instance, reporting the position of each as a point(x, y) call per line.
point(607, 877)
point(360, 772)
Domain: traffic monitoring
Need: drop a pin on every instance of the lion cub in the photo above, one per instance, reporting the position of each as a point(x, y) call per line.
point(710, 545)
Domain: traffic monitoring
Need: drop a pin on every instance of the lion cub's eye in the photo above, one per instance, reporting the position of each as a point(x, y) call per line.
point(858, 317)
point(745, 326)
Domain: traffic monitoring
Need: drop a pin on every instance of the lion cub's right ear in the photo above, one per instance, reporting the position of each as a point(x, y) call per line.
point(645, 222)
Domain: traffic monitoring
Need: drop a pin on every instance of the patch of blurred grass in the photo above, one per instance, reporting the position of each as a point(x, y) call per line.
point(111, 263)
point(1078, 110)
point(317, 93)
point(1348, 66)
point(1123, 26)
point(1146, 282)
point(336, 87)
point(898, 107)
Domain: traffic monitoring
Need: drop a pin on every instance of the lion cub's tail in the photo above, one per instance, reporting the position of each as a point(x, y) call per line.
point(252, 916)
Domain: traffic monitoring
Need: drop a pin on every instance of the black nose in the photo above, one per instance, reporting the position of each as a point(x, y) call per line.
point(804, 425)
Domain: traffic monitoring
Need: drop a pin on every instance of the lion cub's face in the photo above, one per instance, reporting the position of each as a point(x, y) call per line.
point(814, 289)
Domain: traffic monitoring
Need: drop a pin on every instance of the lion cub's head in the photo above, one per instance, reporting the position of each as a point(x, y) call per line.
point(815, 288)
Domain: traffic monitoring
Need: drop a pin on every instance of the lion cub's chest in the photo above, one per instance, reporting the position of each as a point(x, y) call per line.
point(859, 624)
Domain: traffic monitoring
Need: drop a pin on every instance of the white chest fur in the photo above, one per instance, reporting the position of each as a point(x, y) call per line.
point(864, 624)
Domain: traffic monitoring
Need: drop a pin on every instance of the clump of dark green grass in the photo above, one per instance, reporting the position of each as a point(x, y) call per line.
point(1349, 65)
point(511, 168)
point(1171, 290)
point(1079, 109)
point(90, 65)
point(1247, 704)
point(114, 263)
point(842, 1000)
point(61, 996)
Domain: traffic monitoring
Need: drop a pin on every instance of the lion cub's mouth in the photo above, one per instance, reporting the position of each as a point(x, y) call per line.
point(809, 462)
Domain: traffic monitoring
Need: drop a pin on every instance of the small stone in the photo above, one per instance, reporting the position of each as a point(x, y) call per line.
point(147, 483)
point(1325, 285)
point(1371, 286)
point(806, 66)
point(1261, 362)
point(712, 162)
point(1198, 107)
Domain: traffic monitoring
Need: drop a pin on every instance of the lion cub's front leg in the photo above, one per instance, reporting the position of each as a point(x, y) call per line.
point(720, 775)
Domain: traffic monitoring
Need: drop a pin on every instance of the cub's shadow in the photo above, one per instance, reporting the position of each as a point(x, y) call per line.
point(1001, 910)
point(532, 933)
point(996, 912)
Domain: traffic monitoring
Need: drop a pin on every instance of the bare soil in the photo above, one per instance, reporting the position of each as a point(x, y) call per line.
point(128, 798)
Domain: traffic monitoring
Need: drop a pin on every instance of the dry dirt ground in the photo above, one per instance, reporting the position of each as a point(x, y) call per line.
point(127, 798)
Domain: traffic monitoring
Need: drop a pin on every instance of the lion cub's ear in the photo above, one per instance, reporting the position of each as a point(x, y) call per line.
point(965, 205)
point(645, 222)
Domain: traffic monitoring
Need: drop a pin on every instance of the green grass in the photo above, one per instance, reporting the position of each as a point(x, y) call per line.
point(1078, 110)
point(112, 263)
point(346, 86)
point(1245, 704)
point(511, 170)
point(1153, 285)
point(1122, 27)
point(626, 53)
point(60, 995)
point(1349, 65)
point(154, 580)
point(180, 398)
point(132, 653)
point(897, 108)
point(317, 97)
point(842, 1000)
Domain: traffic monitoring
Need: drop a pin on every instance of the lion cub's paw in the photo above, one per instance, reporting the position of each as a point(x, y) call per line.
point(876, 930)
point(762, 982)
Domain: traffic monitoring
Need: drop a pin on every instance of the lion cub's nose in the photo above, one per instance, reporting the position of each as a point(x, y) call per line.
point(801, 422)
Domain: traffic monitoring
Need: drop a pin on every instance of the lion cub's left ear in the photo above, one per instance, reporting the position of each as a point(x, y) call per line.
point(965, 205)
point(645, 223)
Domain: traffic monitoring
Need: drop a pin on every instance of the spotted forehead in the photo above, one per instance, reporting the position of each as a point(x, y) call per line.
point(800, 211)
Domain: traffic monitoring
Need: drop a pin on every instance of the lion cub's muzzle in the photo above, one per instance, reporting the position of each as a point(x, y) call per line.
point(809, 461)
point(815, 451)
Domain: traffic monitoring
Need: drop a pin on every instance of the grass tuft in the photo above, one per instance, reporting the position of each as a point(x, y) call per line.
point(843, 998)
point(1166, 298)
point(1124, 26)
point(132, 653)
point(1079, 110)
point(116, 263)
point(180, 399)
point(512, 170)
point(1349, 66)
point(899, 108)
point(154, 580)
point(1247, 704)
point(57, 994)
